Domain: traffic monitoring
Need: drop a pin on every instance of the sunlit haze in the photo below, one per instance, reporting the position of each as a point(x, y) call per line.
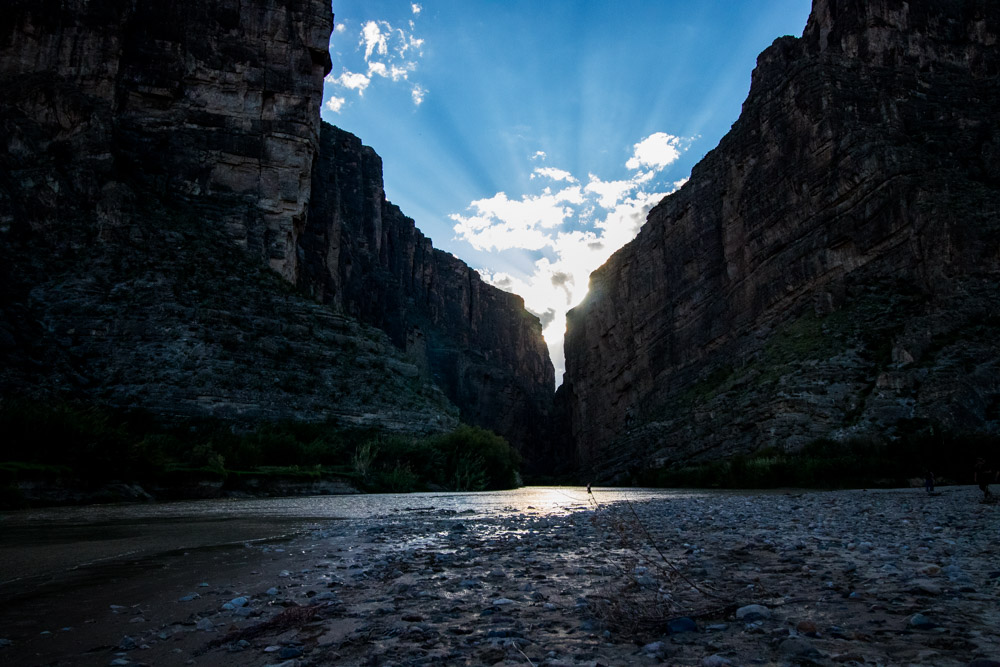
point(530, 139)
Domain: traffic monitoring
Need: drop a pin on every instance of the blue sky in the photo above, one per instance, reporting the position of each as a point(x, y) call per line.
point(530, 137)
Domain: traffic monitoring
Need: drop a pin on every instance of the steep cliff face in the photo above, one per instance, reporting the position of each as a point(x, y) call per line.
point(364, 256)
point(211, 104)
point(156, 165)
point(832, 268)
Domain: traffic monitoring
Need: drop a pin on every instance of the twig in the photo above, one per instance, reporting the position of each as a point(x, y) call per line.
point(522, 653)
point(673, 567)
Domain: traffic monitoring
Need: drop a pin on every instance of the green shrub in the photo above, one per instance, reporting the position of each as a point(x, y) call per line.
point(364, 459)
point(469, 446)
point(97, 443)
point(827, 463)
point(400, 479)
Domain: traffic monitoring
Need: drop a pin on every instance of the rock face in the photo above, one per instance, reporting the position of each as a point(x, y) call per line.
point(213, 105)
point(156, 165)
point(158, 159)
point(831, 269)
point(478, 343)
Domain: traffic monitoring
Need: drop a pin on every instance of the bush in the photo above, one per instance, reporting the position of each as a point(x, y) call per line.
point(97, 444)
point(826, 463)
point(470, 448)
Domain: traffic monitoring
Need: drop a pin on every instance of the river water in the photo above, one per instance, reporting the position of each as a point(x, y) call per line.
point(41, 544)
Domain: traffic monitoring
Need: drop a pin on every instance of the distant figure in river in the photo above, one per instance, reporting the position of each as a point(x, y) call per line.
point(929, 482)
point(983, 478)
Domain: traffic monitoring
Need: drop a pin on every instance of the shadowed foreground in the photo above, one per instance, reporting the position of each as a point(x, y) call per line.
point(847, 577)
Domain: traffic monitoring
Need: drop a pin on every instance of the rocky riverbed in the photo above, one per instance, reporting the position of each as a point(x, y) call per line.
point(849, 577)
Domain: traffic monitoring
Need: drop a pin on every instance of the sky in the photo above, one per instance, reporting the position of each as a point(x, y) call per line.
point(530, 138)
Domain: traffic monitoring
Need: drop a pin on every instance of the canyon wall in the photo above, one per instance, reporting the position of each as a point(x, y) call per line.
point(155, 174)
point(213, 105)
point(478, 343)
point(161, 160)
point(831, 269)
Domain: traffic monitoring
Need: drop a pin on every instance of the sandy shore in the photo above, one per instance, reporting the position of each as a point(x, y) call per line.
point(852, 578)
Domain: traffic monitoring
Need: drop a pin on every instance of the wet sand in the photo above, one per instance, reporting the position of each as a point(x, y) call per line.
point(854, 577)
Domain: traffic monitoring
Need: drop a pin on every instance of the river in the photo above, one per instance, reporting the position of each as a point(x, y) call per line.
point(40, 545)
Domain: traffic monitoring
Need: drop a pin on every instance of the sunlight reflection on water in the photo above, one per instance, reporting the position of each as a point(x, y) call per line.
point(535, 500)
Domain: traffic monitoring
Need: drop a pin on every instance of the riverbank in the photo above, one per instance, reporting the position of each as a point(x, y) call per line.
point(847, 577)
point(45, 490)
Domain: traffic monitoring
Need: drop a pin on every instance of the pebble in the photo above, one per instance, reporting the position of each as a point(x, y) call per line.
point(924, 587)
point(798, 647)
point(682, 624)
point(716, 661)
point(423, 588)
point(921, 622)
point(653, 648)
point(807, 628)
point(753, 612)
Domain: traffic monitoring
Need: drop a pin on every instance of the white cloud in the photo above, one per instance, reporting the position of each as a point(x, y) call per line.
point(398, 72)
point(388, 53)
point(606, 214)
point(340, 28)
point(415, 8)
point(352, 81)
point(335, 103)
point(609, 193)
point(373, 39)
point(657, 151)
point(501, 223)
point(554, 174)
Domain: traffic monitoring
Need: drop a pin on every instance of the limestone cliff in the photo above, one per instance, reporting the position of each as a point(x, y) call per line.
point(478, 343)
point(832, 268)
point(211, 104)
point(156, 164)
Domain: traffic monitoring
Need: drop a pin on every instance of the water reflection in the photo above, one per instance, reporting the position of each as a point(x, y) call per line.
point(39, 542)
point(536, 500)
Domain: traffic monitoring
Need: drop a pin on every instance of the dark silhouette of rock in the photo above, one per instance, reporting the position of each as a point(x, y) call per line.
point(831, 269)
point(478, 343)
point(214, 105)
point(159, 160)
point(156, 166)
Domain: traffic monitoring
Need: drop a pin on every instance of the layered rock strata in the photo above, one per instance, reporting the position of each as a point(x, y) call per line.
point(209, 104)
point(832, 268)
point(478, 343)
point(156, 165)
